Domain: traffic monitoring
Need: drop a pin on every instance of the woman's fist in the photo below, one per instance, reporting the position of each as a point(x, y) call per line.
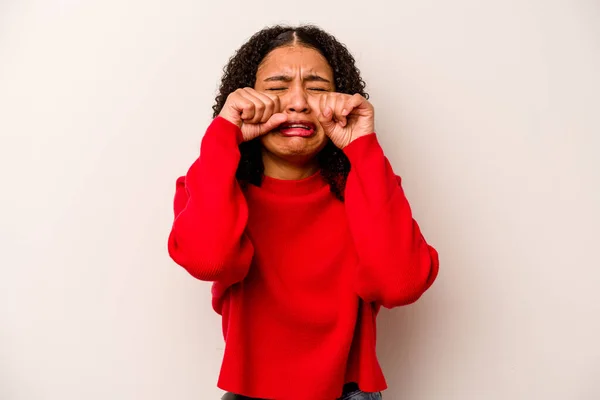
point(253, 112)
point(345, 117)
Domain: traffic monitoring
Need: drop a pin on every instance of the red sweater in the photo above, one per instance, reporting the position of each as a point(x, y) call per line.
point(299, 276)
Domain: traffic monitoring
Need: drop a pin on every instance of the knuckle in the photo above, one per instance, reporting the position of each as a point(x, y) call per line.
point(232, 96)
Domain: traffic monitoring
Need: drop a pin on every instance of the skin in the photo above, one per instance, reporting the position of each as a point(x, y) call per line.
point(295, 83)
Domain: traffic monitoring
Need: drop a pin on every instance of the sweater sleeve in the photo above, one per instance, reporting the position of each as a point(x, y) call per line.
point(396, 265)
point(208, 235)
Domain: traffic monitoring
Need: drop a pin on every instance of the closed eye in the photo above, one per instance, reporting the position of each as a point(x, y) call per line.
point(275, 89)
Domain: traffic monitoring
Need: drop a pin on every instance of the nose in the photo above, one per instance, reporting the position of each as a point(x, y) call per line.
point(297, 100)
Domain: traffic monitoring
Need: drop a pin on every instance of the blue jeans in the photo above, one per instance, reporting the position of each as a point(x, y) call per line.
point(358, 395)
point(350, 393)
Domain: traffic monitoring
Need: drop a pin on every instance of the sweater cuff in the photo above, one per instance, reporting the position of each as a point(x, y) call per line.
point(361, 147)
point(224, 128)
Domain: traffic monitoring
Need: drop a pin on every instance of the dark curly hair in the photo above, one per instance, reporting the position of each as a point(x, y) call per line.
point(241, 70)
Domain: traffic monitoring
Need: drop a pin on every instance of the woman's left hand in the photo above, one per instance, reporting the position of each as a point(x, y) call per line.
point(346, 117)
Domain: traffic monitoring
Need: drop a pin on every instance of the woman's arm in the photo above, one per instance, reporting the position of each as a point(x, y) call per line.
point(396, 265)
point(208, 235)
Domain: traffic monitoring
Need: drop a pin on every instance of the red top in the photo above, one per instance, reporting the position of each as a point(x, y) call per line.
point(299, 276)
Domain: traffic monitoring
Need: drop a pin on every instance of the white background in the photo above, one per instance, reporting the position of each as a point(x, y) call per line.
point(488, 109)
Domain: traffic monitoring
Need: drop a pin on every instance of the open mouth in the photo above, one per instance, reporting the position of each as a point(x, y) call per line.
point(297, 128)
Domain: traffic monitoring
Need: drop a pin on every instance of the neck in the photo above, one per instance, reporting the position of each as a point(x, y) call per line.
point(288, 170)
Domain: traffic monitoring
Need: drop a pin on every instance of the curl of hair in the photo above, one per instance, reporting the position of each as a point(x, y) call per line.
point(241, 71)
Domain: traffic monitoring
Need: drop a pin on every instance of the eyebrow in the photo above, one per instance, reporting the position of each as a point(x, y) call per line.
point(287, 78)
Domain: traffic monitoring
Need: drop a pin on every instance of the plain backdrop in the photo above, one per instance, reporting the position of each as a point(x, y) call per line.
point(488, 109)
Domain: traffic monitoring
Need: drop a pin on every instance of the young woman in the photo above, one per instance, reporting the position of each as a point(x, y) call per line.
point(295, 214)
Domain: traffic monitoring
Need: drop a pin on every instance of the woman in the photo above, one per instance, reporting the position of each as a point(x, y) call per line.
point(295, 214)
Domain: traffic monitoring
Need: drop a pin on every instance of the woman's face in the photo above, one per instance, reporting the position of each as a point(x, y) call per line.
point(298, 76)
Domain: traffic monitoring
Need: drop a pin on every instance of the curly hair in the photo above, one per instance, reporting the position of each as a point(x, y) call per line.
point(241, 70)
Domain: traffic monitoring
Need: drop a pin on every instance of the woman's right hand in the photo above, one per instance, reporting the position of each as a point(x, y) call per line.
point(253, 112)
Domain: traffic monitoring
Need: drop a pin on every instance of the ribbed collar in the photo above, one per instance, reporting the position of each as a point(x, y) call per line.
point(294, 187)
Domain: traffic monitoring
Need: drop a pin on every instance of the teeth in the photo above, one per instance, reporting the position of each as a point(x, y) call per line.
point(298, 126)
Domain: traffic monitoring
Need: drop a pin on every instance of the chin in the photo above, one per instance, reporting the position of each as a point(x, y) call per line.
point(293, 147)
